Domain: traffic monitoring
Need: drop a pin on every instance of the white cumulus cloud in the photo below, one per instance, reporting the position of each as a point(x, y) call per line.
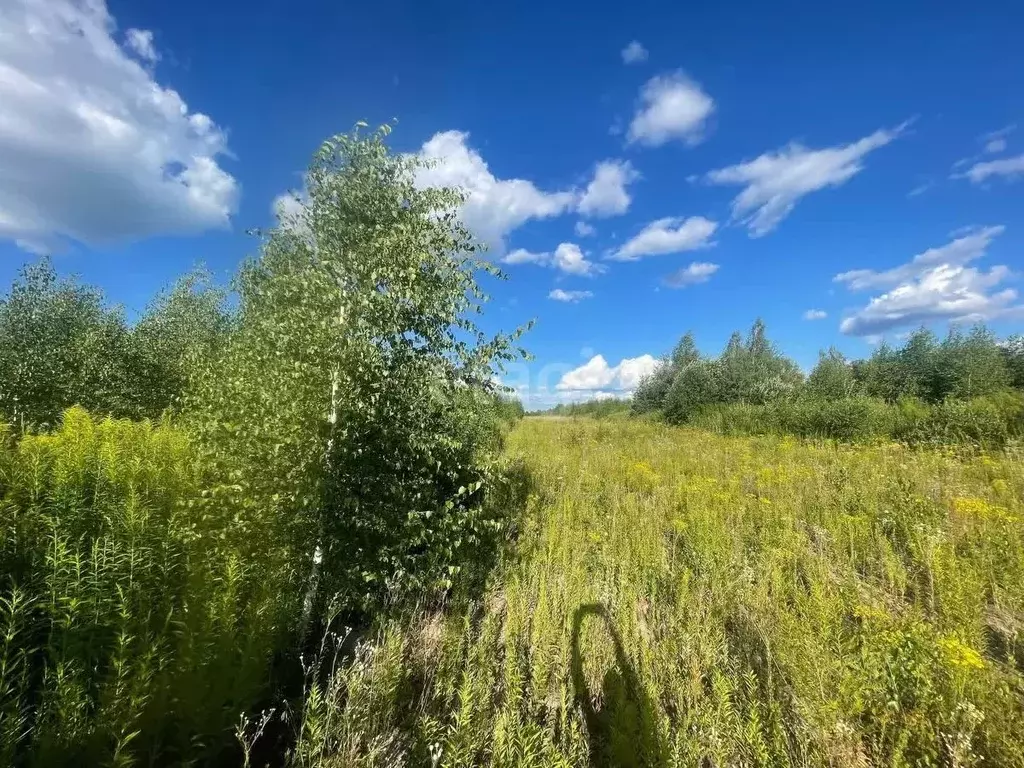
point(774, 182)
point(567, 258)
point(631, 370)
point(594, 374)
point(1010, 168)
point(634, 53)
point(815, 314)
point(668, 235)
point(523, 256)
point(494, 207)
point(697, 272)
point(583, 229)
point(970, 246)
point(571, 297)
point(671, 107)
point(936, 285)
point(92, 147)
point(597, 374)
point(606, 195)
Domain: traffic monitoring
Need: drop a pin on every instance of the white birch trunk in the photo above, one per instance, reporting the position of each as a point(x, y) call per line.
point(318, 553)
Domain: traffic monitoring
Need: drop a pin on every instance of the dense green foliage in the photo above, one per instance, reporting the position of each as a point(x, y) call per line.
point(64, 346)
point(327, 450)
point(354, 362)
point(129, 624)
point(988, 421)
point(965, 388)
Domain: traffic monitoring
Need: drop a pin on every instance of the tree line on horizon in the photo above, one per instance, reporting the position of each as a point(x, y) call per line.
point(968, 385)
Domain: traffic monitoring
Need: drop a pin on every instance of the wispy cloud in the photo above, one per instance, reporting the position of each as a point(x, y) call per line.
point(1010, 168)
point(668, 235)
point(697, 272)
point(571, 297)
point(776, 181)
point(970, 246)
point(936, 285)
point(995, 141)
point(980, 169)
point(634, 53)
point(920, 189)
point(523, 256)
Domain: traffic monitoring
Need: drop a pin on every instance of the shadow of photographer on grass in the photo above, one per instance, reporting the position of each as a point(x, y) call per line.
point(622, 728)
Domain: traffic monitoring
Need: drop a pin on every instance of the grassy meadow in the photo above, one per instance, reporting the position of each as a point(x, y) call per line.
point(673, 597)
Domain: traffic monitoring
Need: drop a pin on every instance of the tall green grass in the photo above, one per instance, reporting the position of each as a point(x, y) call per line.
point(672, 597)
point(134, 627)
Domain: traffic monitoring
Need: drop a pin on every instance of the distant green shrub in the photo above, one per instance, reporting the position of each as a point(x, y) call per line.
point(988, 421)
point(598, 409)
point(695, 385)
point(978, 421)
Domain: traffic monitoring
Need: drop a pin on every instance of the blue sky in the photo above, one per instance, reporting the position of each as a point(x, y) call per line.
point(641, 169)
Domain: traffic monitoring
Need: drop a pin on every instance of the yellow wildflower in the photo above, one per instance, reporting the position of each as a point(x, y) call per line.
point(641, 477)
point(972, 507)
point(959, 654)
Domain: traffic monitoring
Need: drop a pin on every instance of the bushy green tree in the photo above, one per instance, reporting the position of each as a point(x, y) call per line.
point(65, 346)
point(61, 346)
point(652, 389)
point(755, 371)
point(970, 365)
point(961, 366)
point(751, 371)
point(832, 378)
point(885, 375)
point(507, 407)
point(919, 360)
point(180, 329)
point(1013, 357)
point(685, 352)
point(347, 411)
point(732, 376)
point(695, 385)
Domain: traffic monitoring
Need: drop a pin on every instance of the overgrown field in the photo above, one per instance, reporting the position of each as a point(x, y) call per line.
point(673, 597)
point(293, 529)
